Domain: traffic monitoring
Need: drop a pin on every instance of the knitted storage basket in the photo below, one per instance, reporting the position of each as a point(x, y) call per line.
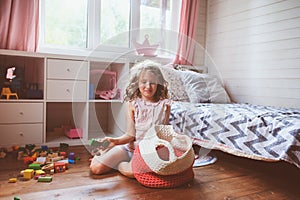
point(164, 158)
point(148, 178)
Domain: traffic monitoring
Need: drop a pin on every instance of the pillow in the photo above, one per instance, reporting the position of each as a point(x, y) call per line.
point(203, 88)
point(175, 87)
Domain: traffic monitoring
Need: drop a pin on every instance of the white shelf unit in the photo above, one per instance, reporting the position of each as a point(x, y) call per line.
point(64, 84)
point(107, 117)
point(22, 120)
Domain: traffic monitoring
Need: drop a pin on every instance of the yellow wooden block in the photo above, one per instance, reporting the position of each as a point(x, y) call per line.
point(39, 172)
point(12, 180)
point(28, 173)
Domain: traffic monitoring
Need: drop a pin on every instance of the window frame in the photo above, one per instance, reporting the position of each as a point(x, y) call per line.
point(93, 31)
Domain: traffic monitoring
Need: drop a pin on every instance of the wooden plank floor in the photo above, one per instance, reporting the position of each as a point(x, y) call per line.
point(229, 178)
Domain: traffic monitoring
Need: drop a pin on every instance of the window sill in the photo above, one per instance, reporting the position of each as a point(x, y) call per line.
point(129, 54)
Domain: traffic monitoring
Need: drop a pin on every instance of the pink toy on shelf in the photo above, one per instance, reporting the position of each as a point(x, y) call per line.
point(105, 82)
point(74, 133)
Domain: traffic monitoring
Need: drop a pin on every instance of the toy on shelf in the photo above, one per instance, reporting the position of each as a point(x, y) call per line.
point(9, 84)
point(7, 93)
point(74, 133)
point(104, 84)
point(68, 130)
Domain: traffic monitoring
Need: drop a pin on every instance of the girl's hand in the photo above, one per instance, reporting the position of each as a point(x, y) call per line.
point(102, 144)
point(109, 142)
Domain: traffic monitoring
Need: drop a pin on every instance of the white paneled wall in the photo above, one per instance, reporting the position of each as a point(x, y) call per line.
point(200, 37)
point(254, 45)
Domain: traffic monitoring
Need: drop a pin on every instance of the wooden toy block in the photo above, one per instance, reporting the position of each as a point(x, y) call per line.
point(35, 155)
point(28, 173)
point(45, 179)
point(44, 147)
point(71, 156)
point(39, 172)
point(43, 154)
point(40, 160)
point(12, 180)
point(65, 161)
point(48, 167)
point(71, 161)
point(55, 159)
point(63, 154)
point(59, 167)
point(28, 160)
point(34, 166)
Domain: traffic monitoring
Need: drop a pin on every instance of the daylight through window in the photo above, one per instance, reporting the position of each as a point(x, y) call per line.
point(106, 25)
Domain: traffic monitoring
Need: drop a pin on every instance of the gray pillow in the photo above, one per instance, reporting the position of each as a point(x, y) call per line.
point(203, 88)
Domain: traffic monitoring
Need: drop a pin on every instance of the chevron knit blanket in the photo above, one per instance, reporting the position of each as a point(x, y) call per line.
point(253, 131)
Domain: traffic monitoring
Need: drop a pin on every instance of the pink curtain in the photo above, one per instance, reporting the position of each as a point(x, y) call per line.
point(19, 24)
point(187, 32)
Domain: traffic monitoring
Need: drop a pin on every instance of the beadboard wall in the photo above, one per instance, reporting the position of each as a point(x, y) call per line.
point(254, 46)
point(200, 36)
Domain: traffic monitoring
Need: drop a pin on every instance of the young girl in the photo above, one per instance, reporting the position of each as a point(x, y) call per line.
point(147, 105)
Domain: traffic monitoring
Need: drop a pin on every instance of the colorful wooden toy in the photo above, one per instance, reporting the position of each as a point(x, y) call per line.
point(59, 167)
point(48, 167)
point(71, 161)
point(44, 147)
point(12, 180)
point(40, 160)
point(39, 172)
point(45, 179)
point(28, 160)
point(71, 156)
point(34, 166)
point(63, 154)
point(65, 161)
point(28, 173)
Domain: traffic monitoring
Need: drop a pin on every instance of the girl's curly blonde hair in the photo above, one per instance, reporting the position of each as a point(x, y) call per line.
point(132, 90)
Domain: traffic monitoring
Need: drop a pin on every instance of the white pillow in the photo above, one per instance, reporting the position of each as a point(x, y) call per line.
point(176, 86)
point(203, 88)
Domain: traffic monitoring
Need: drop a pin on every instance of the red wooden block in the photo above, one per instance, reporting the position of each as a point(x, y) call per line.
point(59, 167)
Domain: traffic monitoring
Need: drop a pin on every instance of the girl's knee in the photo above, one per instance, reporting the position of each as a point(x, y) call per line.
point(99, 168)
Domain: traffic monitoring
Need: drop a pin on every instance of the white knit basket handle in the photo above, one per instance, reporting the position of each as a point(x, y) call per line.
point(148, 149)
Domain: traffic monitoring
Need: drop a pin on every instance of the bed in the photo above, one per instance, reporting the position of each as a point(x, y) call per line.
point(202, 110)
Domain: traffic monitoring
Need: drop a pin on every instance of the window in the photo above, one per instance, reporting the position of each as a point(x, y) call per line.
point(65, 24)
point(106, 25)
